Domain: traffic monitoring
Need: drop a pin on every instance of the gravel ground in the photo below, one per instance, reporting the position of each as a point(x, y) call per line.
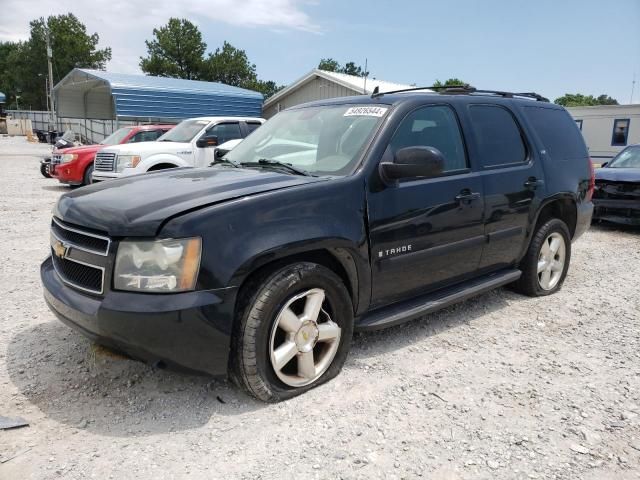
point(502, 386)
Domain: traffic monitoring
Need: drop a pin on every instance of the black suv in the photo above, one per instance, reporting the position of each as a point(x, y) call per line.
point(351, 213)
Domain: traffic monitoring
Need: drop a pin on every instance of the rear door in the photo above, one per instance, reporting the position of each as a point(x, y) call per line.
point(512, 180)
point(426, 233)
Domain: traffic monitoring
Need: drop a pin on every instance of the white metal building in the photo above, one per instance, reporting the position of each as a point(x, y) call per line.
point(607, 129)
point(319, 85)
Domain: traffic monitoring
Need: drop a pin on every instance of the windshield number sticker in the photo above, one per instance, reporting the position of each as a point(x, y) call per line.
point(365, 112)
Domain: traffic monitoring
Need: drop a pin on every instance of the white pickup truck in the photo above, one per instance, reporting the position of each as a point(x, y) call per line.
point(191, 143)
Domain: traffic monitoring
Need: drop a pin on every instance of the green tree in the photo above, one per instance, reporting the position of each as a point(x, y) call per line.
point(580, 100)
point(266, 88)
point(176, 51)
point(231, 66)
point(23, 65)
point(350, 68)
point(329, 65)
point(451, 82)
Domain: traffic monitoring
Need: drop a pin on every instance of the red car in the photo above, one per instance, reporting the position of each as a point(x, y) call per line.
point(74, 166)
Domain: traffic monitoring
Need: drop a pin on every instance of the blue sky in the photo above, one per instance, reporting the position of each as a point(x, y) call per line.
point(551, 47)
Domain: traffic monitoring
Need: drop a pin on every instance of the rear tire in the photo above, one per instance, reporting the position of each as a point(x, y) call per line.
point(87, 179)
point(292, 333)
point(544, 267)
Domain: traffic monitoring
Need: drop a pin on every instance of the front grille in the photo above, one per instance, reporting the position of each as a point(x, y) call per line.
point(79, 275)
point(56, 159)
point(104, 162)
point(83, 240)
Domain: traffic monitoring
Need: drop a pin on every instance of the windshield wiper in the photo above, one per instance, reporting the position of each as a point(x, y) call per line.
point(276, 163)
point(235, 163)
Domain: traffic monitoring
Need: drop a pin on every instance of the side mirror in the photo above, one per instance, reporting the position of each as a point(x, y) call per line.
point(207, 141)
point(602, 165)
point(414, 162)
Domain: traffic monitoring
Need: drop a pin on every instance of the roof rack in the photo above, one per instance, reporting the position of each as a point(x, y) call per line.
point(465, 89)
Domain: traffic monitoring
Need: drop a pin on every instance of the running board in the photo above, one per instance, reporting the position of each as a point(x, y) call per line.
point(418, 307)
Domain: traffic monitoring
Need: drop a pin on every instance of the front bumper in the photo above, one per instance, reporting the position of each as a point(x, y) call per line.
point(626, 212)
point(188, 331)
point(99, 176)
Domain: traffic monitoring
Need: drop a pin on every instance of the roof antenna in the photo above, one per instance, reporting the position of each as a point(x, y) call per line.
point(375, 92)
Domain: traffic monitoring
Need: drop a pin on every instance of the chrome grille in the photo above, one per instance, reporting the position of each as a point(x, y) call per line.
point(79, 256)
point(104, 161)
point(89, 242)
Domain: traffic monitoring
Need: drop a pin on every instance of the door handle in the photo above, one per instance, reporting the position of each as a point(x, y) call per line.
point(467, 196)
point(532, 183)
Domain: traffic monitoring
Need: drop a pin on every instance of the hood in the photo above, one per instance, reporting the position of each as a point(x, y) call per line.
point(143, 148)
point(81, 149)
point(140, 204)
point(618, 174)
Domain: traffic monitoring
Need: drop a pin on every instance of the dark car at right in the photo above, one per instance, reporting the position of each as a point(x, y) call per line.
point(616, 197)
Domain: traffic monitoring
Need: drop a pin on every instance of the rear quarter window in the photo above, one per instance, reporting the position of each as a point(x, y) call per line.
point(558, 132)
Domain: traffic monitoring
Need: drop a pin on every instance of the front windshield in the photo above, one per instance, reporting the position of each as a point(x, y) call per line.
point(184, 131)
point(116, 137)
point(323, 140)
point(628, 158)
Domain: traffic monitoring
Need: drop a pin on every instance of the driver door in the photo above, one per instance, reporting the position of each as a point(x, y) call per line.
point(224, 131)
point(426, 233)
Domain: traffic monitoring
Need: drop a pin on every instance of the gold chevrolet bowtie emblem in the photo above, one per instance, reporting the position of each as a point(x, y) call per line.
point(59, 249)
point(305, 335)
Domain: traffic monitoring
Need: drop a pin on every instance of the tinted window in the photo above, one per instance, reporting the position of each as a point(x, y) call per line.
point(557, 132)
point(620, 132)
point(433, 126)
point(253, 126)
point(498, 136)
point(146, 136)
point(225, 132)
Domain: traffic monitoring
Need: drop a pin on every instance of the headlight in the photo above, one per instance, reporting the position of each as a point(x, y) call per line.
point(162, 266)
point(68, 157)
point(127, 161)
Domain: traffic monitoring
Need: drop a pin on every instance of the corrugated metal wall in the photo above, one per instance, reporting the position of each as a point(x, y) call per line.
point(316, 89)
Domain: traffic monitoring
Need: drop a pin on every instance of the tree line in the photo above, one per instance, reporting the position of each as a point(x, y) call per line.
point(176, 50)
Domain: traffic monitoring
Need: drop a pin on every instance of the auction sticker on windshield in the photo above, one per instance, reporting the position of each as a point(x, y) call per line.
point(365, 111)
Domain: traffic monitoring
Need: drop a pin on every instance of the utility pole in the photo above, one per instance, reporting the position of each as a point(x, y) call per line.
point(633, 87)
point(366, 74)
point(52, 116)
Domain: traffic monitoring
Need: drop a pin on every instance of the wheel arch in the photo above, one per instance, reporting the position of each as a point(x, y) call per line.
point(158, 162)
point(340, 260)
point(562, 206)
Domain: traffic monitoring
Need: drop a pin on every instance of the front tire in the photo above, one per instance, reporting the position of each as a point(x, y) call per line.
point(44, 170)
point(87, 179)
point(544, 267)
point(293, 331)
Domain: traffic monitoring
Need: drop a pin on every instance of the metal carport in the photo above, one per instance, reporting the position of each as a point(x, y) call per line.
point(94, 94)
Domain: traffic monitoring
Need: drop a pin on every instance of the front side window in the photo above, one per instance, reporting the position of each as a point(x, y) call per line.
point(184, 132)
point(225, 132)
point(620, 132)
point(323, 140)
point(497, 135)
point(146, 136)
point(116, 137)
point(433, 126)
point(628, 158)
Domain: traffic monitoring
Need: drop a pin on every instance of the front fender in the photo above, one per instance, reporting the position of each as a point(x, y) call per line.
point(240, 236)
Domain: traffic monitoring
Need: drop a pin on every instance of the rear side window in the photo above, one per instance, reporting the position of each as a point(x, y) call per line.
point(497, 135)
point(253, 126)
point(558, 133)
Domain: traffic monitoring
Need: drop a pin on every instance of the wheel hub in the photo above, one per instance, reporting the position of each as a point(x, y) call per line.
point(306, 337)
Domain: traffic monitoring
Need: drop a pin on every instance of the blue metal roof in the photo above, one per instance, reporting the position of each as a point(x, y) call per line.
point(3, 98)
point(141, 96)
